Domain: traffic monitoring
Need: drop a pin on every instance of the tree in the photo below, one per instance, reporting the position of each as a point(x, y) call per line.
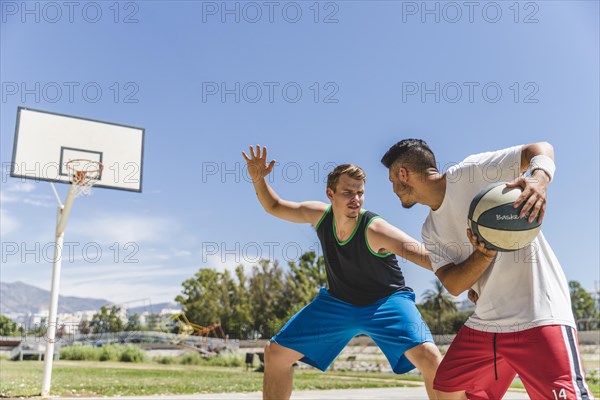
point(201, 298)
point(583, 306)
point(438, 302)
point(133, 323)
point(453, 321)
point(106, 321)
point(226, 295)
point(8, 327)
point(267, 297)
point(242, 311)
point(155, 322)
point(85, 327)
point(303, 281)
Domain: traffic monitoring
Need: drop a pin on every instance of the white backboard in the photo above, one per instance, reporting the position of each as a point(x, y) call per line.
point(45, 142)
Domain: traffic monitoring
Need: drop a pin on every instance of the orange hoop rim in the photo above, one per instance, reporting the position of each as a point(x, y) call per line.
point(87, 175)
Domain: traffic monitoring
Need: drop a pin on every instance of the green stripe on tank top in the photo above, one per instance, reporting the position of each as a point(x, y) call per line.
point(322, 217)
point(362, 212)
point(367, 242)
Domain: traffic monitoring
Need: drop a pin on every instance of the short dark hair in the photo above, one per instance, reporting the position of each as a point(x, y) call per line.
point(414, 154)
point(353, 171)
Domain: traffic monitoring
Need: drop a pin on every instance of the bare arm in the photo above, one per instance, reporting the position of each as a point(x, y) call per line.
point(301, 212)
point(383, 237)
point(534, 187)
point(457, 278)
point(529, 151)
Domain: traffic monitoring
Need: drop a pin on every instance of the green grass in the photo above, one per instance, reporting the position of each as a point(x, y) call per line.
point(95, 378)
point(85, 378)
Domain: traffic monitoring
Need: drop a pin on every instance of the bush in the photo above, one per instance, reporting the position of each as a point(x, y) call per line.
point(133, 354)
point(226, 359)
point(166, 360)
point(79, 353)
point(109, 352)
point(192, 359)
point(593, 377)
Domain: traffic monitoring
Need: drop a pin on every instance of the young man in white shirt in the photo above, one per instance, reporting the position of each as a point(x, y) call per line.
point(523, 321)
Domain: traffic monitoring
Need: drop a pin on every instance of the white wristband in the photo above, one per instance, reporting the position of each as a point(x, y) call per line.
point(544, 163)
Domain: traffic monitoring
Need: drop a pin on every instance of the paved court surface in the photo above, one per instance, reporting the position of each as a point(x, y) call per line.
point(412, 393)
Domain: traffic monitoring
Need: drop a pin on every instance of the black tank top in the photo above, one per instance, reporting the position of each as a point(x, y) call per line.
point(356, 273)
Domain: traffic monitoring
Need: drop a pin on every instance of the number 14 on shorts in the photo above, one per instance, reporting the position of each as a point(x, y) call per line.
point(559, 393)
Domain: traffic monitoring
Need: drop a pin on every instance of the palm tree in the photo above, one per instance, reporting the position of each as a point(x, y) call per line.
point(439, 302)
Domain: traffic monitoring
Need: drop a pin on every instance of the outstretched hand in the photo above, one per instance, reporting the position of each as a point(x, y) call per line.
point(257, 163)
point(533, 195)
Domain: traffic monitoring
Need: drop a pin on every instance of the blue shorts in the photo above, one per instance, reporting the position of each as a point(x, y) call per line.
point(322, 329)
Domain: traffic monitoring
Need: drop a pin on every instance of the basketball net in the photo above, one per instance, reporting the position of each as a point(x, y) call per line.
point(84, 174)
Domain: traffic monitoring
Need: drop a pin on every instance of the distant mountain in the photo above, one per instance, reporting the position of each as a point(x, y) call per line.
point(21, 298)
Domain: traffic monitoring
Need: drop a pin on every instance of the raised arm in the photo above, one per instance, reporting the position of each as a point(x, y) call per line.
point(539, 159)
point(384, 237)
point(301, 212)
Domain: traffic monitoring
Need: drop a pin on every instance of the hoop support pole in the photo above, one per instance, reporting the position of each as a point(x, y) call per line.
point(60, 204)
point(61, 220)
point(66, 210)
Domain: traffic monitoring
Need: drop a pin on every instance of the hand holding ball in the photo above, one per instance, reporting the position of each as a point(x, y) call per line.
point(495, 221)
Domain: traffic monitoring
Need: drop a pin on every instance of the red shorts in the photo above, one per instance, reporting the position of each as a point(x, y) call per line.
point(484, 364)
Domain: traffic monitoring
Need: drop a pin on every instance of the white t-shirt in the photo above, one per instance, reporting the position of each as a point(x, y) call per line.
point(521, 289)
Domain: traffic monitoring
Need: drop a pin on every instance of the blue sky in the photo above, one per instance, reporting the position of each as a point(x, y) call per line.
point(319, 83)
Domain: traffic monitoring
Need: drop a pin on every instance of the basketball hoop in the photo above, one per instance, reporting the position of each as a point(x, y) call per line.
point(77, 147)
point(84, 174)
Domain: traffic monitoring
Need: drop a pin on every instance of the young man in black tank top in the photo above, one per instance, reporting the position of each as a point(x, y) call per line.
point(366, 292)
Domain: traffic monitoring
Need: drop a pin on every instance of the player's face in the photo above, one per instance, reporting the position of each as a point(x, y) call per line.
point(404, 191)
point(348, 197)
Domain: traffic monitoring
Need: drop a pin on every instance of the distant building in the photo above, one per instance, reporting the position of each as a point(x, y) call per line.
point(169, 311)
